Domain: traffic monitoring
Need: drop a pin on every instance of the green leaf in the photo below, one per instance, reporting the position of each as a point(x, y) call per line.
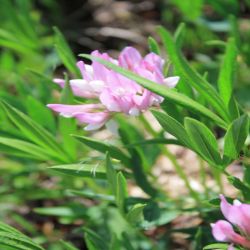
point(67, 211)
point(191, 9)
point(218, 246)
point(236, 136)
point(104, 148)
point(35, 152)
point(135, 214)
point(35, 132)
point(128, 134)
point(226, 75)
point(153, 45)
point(203, 141)
point(121, 191)
point(169, 94)
point(154, 141)
point(81, 170)
point(67, 246)
point(90, 195)
point(40, 113)
point(6, 228)
point(191, 76)
point(68, 126)
point(18, 241)
point(94, 241)
point(172, 126)
point(111, 175)
point(10, 236)
point(65, 53)
point(243, 187)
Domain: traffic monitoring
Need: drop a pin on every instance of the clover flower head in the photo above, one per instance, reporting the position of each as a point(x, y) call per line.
point(237, 214)
point(112, 92)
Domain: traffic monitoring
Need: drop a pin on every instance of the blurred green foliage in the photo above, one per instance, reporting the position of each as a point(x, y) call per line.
point(32, 139)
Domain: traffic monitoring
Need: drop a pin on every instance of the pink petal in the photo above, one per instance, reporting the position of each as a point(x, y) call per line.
point(81, 88)
point(60, 82)
point(129, 57)
point(72, 110)
point(96, 118)
point(171, 82)
point(223, 231)
point(237, 214)
point(109, 101)
point(153, 61)
point(86, 70)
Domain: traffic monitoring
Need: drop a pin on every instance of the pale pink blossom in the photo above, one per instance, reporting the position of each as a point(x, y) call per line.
point(112, 92)
point(239, 215)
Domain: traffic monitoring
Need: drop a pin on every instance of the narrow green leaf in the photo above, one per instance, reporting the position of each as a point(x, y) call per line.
point(67, 245)
point(35, 132)
point(91, 195)
point(18, 241)
point(203, 141)
point(81, 170)
point(226, 75)
point(68, 126)
point(191, 76)
point(169, 94)
point(243, 187)
point(104, 148)
point(153, 46)
point(236, 136)
point(34, 151)
point(218, 246)
point(154, 141)
point(135, 214)
point(111, 175)
point(138, 158)
point(172, 126)
point(6, 228)
point(60, 211)
point(40, 113)
point(65, 53)
point(121, 191)
point(94, 241)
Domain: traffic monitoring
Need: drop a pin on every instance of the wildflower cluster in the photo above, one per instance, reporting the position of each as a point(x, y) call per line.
point(239, 215)
point(110, 91)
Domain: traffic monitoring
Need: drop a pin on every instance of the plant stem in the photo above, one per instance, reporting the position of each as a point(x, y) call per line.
point(172, 158)
point(203, 177)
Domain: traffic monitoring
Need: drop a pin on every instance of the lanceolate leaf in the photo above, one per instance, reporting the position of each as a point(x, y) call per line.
point(104, 148)
point(111, 175)
point(67, 246)
point(81, 170)
point(65, 53)
point(34, 132)
point(226, 76)
point(30, 149)
point(135, 214)
point(121, 191)
point(153, 45)
point(236, 136)
point(203, 141)
point(172, 126)
point(191, 76)
point(169, 94)
point(11, 237)
point(18, 241)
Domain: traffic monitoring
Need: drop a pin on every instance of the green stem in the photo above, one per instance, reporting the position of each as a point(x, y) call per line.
point(217, 176)
point(203, 177)
point(172, 158)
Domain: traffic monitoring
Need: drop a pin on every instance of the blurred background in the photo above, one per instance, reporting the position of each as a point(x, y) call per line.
point(29, 60)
